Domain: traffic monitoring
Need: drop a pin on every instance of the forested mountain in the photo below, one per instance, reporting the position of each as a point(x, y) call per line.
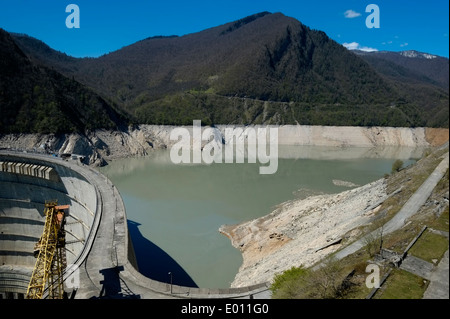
point(419, 77)
point(266, 68)
point(424, 67)
point(36, 99)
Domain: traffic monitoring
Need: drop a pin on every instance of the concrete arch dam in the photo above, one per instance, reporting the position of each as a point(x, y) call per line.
point(97, 238)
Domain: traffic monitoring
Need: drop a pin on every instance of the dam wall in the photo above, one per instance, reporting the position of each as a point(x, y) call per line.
point(25, 185)
point(97, 238)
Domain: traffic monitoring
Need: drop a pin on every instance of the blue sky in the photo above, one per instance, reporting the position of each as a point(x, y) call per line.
point(106, 26)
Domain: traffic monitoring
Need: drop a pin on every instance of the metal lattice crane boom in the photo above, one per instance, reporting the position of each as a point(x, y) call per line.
point(50, 253)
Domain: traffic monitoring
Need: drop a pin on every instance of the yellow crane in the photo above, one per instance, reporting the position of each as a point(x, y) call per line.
point(50, 254)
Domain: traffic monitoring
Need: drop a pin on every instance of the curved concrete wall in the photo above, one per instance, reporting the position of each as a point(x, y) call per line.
point(97, 238)
point(22, 199)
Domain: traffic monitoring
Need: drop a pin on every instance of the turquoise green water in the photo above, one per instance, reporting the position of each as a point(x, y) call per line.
point(178, 209)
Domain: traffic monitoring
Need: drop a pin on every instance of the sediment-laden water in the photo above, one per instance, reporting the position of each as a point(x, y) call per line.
point(175, 211)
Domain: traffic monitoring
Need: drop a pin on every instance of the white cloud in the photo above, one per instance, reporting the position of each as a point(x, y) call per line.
point(357, 46)
point(404, 44)
point(351, 46)
point(350, 14)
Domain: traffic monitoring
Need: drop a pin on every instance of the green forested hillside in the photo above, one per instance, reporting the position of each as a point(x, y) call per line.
point(36, 99)
point(262, 69)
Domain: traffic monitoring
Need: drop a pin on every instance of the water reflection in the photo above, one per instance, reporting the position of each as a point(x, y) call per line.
point(162, 157)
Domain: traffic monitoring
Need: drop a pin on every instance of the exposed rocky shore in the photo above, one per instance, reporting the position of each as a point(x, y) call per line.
point(301, 232)
point(305, 231)
point(95, 147)
point(100, 146)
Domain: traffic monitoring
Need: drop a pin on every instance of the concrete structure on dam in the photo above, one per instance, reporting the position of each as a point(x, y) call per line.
point(98, 245)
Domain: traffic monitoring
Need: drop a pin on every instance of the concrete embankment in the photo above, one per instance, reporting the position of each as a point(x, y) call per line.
point(100, 146)
point(97, 239)
point(25, 185)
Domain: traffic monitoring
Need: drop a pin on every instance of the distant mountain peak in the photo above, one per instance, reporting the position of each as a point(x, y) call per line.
point(406, 54)
point(417, 54)
point(241, 22)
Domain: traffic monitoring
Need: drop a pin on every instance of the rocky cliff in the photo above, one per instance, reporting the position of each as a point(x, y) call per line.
point(100, 146)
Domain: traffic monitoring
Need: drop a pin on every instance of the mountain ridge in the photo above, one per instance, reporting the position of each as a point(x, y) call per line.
point(419, 62)
point(37, 99)
point(263, 69)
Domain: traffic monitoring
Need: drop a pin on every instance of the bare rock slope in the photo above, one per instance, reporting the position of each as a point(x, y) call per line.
point(301, 232)
point(102, 145)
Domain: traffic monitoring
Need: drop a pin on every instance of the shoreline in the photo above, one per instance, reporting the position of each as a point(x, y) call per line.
point(300, 232)
point(99, 146)
point(303, 232)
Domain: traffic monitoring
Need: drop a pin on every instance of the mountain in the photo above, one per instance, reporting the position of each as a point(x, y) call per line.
point(37, 99)
point(420, 77)
point(262, 69)
point(425, 67)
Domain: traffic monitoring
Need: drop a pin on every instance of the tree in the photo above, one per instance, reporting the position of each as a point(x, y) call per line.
point(397, 166)
point(327, 282)
point(287, 284)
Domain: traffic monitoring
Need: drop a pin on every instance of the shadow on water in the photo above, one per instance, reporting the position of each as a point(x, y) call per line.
point(155, 263)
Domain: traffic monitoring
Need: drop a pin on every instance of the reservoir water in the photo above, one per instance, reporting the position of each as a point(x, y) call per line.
point(174, 211)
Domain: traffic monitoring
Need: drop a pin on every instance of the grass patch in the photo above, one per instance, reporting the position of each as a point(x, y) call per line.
point(402, 285)
point(429, 246)
point(443, 183)
point(441, 223)
point(399, 240)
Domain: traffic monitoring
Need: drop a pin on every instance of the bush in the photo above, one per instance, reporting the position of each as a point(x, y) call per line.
point(286, 284)
point(372, 244)
point(397, 166)
point(326, 282)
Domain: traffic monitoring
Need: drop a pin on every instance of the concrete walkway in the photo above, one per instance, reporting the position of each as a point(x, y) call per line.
point(411, 207)
point(418, 267)
point(439, 281)
point(418, 199)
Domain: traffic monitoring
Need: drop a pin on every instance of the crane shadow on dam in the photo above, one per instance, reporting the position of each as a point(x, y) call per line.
point(155, 263)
